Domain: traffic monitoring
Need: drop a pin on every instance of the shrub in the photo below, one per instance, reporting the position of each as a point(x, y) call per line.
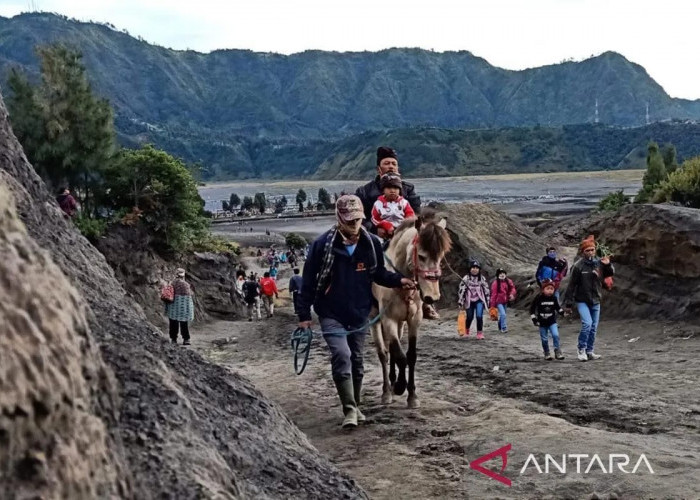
point(92, 229)
point(682, 185)
point(613, 201)
point(216, 244)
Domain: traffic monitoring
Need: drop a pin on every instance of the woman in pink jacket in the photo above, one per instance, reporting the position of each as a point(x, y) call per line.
point(502, 293)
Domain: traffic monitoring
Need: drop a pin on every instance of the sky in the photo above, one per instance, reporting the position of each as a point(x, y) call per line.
point(662, 36)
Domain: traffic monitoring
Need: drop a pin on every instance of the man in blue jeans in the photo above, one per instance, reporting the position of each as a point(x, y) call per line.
point(585, 288)
point(338, 275)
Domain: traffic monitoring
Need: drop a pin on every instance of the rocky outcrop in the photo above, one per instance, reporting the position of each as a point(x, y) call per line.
point(58, 400)
point(181, 428)
point(657, 261)
point(495, 240)
point(141, 270)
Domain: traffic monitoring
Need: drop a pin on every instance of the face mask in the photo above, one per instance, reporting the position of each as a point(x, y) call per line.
point(501, 276)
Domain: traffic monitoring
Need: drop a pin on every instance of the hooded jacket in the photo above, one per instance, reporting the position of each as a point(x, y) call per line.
point(369, 193)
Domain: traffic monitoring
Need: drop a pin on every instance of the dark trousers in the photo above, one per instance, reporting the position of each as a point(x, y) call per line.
point(347, 358)
point(478, 309)
point(184, 330)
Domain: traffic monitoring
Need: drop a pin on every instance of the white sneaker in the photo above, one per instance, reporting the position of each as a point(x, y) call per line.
point(591, 355)
point(582, 356)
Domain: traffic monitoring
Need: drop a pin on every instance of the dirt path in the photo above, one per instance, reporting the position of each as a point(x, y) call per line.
point(477, 396)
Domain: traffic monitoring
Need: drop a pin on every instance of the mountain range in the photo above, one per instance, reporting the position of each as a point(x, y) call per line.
point(234, 110)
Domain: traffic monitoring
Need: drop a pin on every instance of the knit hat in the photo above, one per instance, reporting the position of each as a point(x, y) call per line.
point(390, 180)
point(349, 207)
point(180, 272)
point(474, 263)
point(385, 152)
point(588, 243)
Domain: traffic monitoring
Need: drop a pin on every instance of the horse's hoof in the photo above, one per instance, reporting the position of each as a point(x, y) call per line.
point(399, 387)
point(387, 398)
point(413, 402)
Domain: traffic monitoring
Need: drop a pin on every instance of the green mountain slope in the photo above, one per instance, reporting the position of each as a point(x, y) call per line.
point(240, 113)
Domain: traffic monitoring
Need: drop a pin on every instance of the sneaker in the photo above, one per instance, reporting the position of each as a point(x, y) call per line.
point(558, 354)
point(186, 342)
point(591, 355)
point(582, 355)
point(548, 356)
point(505, 330)
point(173, 341)
point(480, 335)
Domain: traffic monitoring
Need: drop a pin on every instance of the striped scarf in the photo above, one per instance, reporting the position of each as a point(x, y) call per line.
point(323, 277)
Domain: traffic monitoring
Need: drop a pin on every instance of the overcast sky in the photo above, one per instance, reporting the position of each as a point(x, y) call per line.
point(663, 36)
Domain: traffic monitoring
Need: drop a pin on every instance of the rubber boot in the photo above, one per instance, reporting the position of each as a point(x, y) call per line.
point(347, 399)
point(357, 391)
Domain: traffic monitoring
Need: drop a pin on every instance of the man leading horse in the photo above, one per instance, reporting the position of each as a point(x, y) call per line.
point(338, 275)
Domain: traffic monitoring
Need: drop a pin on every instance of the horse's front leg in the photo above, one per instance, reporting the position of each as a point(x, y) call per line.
point(397, 358)
point(411, 356)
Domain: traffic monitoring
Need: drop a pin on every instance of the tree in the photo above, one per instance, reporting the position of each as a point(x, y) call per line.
point(301, 198)
point(247, 203)
point(295, 241)
point(68, 132)
point(655, 174)
point(162, 189)
point(233, 201)
point(225, 206)
point(669, 156)
point(324, 199)
point(260, 202)
point(280, 205)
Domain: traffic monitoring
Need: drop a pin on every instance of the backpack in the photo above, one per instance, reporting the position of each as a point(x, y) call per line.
point(167, 294)
point(268, 286)
point(250, 290)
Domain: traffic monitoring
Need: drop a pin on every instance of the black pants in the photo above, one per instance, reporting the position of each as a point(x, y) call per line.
point(184, 330)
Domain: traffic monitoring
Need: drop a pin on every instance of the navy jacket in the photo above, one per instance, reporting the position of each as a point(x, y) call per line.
point(348, 300)
point(370, 192)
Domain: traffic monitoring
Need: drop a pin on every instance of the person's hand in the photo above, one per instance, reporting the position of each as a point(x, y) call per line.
point(605, 260)
point(535, 322)
point(305, 324)
point(277, 296)
point(408, 284)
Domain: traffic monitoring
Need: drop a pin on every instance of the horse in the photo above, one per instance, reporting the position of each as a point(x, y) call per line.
point(416, 250)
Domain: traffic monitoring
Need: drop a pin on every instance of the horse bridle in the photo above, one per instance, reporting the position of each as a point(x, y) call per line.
point(427, 274)
point(433, 274)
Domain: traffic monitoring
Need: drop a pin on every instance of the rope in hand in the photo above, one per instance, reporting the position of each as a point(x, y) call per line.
point(302, 337)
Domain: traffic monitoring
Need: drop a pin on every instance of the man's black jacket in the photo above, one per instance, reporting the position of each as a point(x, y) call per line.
point(370, 192)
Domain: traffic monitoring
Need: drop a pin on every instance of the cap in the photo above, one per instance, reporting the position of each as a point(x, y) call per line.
point(349, 207)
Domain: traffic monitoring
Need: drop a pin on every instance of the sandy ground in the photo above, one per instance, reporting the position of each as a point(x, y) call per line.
point(477, 396)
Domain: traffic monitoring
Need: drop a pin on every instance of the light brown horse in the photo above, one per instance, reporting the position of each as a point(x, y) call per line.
point(416, 250)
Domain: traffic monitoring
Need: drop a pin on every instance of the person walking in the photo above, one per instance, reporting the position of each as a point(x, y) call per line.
point(251, 296)
point(586, 289)
point(67, 203)
point(295, 283)
point(473, 295)
point(543, 312)
point(268, 286)
point(181, 310)
point(342, 265)
point(502, 293)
